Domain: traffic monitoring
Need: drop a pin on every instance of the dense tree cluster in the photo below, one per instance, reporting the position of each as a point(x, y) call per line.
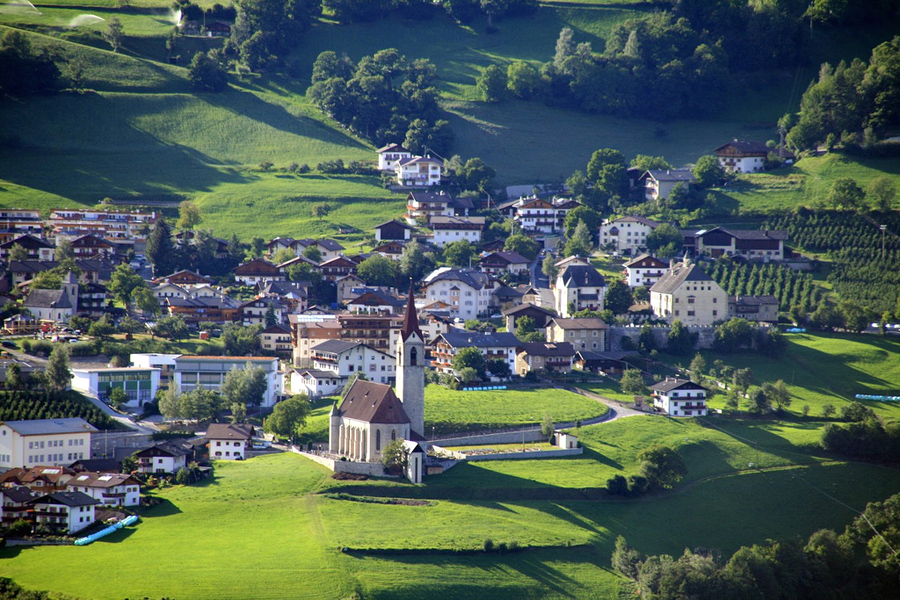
point(384, 98)
point(854, 243)
point(464, 11)
point(266, 30)
point(23, 405)
point(860, 563)
point(856, 103)
point(23, 70)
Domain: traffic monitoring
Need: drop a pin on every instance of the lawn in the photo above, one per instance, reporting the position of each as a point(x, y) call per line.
point(450, 411)
point(821, 368)
point(260, 530)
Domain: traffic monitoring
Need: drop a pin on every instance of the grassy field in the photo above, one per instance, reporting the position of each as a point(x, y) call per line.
point(225, 528)
point(452, 411)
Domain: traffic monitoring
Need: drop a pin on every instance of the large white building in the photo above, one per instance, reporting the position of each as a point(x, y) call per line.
point(578, 288)
point(467, 291)
point(209, 372)
point(493, 346)
point(335, 361)
point(679, 397)
point(626, 235)
point(140, 384)
point(644, 270)
point(419, 171)
point(686, 293)
point(741, 156)
point(456, 229)
point(51, 442)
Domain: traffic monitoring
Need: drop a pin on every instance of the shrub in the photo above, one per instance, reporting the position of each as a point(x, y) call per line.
point(637, 485)
point(617, 485)
point(488, 545)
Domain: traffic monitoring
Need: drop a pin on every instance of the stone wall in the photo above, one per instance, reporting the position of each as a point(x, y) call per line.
point(507, 437)
point(705, 336)
point(512, 455)
point(345, 466)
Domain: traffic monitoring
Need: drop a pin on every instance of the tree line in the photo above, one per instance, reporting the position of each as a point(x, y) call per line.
point(858, 563)
point(28, 404)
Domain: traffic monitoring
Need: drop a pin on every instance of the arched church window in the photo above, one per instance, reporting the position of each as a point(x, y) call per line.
point(377, 439)
point(413, 356)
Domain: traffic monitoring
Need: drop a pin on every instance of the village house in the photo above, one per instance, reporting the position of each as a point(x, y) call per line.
point(217, 29)
point(742, 156)
point(419, 171)
point(229, 441)
point(17, 221)
point(393, 231)
point(392, 250)
point(497, 263)
point(579, 288)
point(327, 248)
point(494, 346)
point(626, 235)
point(316, 383)
point(659, 184)
point(108, 489)
point(455, 229)
point(15, 504)
point(36, 248)
point(64, 512)
point(375, 302)
point(389, 155)
point(338, 267)
point(94, 246)
point(184, 277)
point(118, 225)
point(193, 310)
point(349, 287)
point(644, 270)
point(467, 291)
point(54, 442)
point(92, 299)
point(335, 361)
point(208, 372)
point(679, 397)
point(584, 333)
point(424, 205)
point(253, 312)
point(752, 244)
point(758, 309)
point(39, 479)
point(294, 295)
point(545, 357)
point(276, 339)
point(686, 293)
point(257, 271)
point(92, 270)
point(140, 384)
point(540, 316)
point(163, 458)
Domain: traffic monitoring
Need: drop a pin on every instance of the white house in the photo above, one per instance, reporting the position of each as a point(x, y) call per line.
point(64, 512)
point(209, 373)
point(686, 293)
point(109, 489)
point(229, 441)
point(468, 292)
point(140, 384)
point(165, 457)
point(389, 155)
point(455, 229)
point(644, 270)
point(741, 156)
point(419, 171)
point(758, 244)
point(426, 205)
point(257, 271)
point(335, 361)
point(316, 383)
point(626, 235)
point(497, 263)
point(659, 184)
point(164, 362)
point(55, 442)
point(54, 305)
point(679, 397)
point(579, 288)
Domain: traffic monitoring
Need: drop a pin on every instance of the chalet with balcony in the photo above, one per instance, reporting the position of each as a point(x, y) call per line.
point(92, 245)
point(548, 357)
point(494, 346)
point(163, 458)
point(752, 244)
point(35, 247)
point(679, 398)
point(497, 263)
point(540, 316)
point(423, 205)
point(108, 489)
point(390, 155)
point(338, 267)
point(257, 271)
point(644, 270)
point(419, 171)
point(455, 229)
point(229, 441)
point(64, 512)
point(659, 184)
point(276, 338)
point(742, 156)
point(393, 231)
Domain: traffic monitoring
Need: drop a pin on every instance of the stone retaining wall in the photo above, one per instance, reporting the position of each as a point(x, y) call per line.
point(561, 453)
point(345, 466)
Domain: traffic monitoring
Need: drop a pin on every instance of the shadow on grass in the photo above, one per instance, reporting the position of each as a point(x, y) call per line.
point(166, 509)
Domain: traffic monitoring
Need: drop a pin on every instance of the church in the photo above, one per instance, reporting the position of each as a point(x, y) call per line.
point(371, 415)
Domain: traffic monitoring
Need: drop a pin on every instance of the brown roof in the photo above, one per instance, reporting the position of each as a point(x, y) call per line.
point(581, 323)
point(372, 402)
point(229, 431)
point(101, 480)
point(410, 319)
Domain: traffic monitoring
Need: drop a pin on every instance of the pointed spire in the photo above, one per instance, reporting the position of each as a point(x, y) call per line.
point(411, 320)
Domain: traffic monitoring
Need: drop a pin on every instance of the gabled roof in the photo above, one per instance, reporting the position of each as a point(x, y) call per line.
point(527, 308)
point(257, 266)
point(411, 160)
point(162, 449)
point(752, 300)
point(582, 276)
point(50, 426)
point(504, 257)
point(229, 431)
point(395, 223)
point(277, 328)
point(748, 234)
point(318, 373)
point(48, 299)
point(652, 261)
point(20, 494)
point(671, 175)
point(338, 261)
point(580, 323)
point(392, 148)
point(745, 147)
point(458, 338)
point(101, 480)
point(335, 346)
point(474, 279)
point(548, 349)
point(634, 219)
point(452, 222)
point(670, 384)
point(101, 465)
point(411, 318)
point(372, 402)
point(330, 245)
point(677, 275)
point(27, 241)
point(425, 197)
point(376, 298)
point(70, 499)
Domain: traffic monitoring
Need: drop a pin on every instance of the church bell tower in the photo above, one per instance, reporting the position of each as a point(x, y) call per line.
point(411, 368)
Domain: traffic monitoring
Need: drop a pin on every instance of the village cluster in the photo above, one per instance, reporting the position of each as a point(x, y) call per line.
point(371, 334)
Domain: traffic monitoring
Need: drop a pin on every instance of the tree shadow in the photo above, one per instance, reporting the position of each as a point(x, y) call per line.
point(166, 509)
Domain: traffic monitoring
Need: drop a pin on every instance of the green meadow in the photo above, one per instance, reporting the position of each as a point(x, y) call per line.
point(261, 528)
